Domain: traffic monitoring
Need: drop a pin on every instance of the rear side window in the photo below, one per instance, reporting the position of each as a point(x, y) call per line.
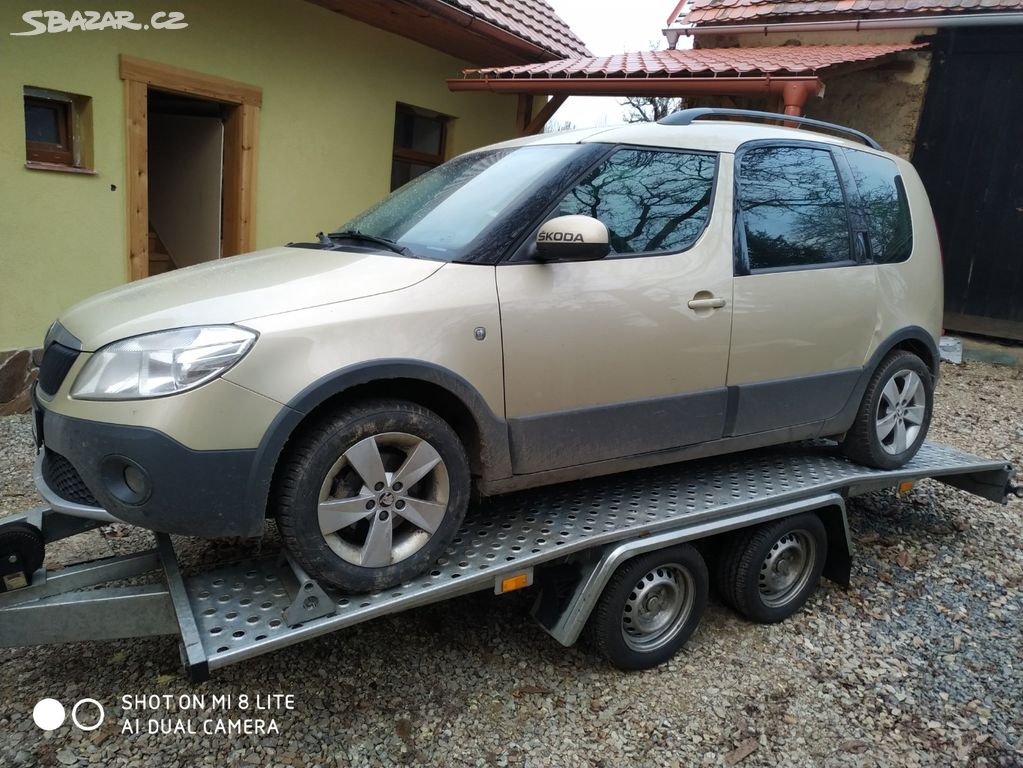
point(649, 200)
point(793, 208)
point(885, 206)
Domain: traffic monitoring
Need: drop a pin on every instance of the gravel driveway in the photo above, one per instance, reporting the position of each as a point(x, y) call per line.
point(919, 663)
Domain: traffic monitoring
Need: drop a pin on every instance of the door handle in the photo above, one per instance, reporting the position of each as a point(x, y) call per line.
point(712, 303)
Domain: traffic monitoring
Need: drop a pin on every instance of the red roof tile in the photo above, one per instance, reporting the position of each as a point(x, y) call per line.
point(532, 20)
point(739, 11)
point(779, 60)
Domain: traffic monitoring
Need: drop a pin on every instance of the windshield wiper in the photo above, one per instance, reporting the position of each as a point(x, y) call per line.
point(354, 234)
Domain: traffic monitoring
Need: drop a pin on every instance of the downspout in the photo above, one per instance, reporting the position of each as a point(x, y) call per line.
point(855, 25)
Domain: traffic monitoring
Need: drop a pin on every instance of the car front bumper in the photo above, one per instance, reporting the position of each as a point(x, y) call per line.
point(141, 476)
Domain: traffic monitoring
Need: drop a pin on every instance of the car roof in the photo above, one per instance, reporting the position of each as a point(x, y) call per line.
point(708, 135)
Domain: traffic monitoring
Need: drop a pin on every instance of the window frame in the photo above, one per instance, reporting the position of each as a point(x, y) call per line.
point(850, 198)
point(62, 153)
point(408, 155)
point(525, 252)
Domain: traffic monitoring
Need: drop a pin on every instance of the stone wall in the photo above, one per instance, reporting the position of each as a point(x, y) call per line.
point(884, 104)
point(19, 369)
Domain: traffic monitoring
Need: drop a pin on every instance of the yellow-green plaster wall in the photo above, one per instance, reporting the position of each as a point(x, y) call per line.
point(329, 83)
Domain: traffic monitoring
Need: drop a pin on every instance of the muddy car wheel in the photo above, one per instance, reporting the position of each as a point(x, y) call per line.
point(370, 496)
point(893, 419)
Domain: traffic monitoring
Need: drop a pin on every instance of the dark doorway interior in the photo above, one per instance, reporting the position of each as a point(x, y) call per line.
point(186, 173)
point(969, 152)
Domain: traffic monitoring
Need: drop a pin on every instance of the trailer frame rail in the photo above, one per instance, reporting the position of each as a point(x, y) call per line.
point(237, 611)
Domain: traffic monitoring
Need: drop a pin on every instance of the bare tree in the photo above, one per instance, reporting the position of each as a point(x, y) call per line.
point(650, 109)
point(554, 126)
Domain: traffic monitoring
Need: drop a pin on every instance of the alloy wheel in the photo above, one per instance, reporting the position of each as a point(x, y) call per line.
point(383, 499)
point(900, 412)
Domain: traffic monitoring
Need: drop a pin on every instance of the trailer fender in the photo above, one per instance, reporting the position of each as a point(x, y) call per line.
point(563, 610)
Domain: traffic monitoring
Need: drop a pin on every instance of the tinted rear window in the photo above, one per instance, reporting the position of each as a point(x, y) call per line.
point(793, 208)
point(885, 205)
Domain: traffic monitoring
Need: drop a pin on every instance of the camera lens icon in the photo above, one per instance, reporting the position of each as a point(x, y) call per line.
point(86, 714)
point(49, 714)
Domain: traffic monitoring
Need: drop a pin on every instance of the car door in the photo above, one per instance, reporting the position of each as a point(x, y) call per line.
point(805, 297)
point(609, 358)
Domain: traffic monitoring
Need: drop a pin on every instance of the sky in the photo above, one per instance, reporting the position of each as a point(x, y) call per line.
point(607, 27)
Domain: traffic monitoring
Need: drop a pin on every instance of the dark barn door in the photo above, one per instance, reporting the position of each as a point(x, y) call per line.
point(969, 152)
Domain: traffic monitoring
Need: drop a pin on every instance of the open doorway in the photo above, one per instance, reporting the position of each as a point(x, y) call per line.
point(191, 151)
point(186, 174)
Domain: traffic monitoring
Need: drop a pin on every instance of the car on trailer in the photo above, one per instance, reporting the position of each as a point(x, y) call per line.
point(548, 309)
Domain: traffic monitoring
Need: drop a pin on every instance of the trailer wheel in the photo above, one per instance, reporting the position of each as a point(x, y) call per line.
point(371, 495)
point(770, 571)
point(22, 548)
point(650, 607)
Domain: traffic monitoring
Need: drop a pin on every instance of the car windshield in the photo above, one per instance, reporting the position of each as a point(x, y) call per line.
point(439, 214)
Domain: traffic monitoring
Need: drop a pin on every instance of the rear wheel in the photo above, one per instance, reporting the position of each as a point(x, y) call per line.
point(371, 496)
point(893, 419)
point(650, 607)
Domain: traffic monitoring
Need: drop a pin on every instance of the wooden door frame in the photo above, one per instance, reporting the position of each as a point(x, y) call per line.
point(240, 136)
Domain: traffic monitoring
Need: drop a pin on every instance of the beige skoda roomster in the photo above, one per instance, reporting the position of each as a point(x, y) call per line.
point(541, 310)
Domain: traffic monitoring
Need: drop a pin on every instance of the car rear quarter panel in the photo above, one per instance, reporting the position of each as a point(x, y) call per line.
point(911, 293)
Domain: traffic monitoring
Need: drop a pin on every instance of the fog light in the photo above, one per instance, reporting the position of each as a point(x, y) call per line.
point(125, 480)
point(135, 479)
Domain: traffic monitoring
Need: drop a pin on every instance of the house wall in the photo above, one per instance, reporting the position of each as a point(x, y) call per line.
point(325, 135)
point(883, 103)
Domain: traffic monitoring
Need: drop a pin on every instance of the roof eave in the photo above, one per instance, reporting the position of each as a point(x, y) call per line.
point(731, 85)
point(464, 35)
point(841, 21)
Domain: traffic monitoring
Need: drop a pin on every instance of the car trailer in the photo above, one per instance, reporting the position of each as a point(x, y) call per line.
point(620, 553)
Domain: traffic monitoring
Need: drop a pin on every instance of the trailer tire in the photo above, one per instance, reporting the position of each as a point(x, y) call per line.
point(342, 508)
point(650, 607)
point(893, 419)
point(26, 541)
point(768, 572)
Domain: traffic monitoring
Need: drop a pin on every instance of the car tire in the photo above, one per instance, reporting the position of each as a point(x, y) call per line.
point(677, 578)
point(895, 414)
point(767, 573)
point(370, 496)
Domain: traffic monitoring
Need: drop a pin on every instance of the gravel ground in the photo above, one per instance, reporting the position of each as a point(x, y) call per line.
point(919, 663)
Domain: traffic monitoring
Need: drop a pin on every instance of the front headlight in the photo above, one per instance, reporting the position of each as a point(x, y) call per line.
point(162, 363)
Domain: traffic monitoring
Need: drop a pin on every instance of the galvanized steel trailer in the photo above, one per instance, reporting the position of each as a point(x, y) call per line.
point(579, 543)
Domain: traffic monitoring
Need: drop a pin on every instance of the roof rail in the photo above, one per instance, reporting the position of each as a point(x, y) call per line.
point(687, 116)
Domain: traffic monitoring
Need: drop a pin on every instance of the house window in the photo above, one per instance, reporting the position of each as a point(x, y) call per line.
point(57, 130)
point(420, 139)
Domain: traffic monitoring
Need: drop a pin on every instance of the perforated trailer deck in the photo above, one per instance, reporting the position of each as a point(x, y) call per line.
point(569, 538)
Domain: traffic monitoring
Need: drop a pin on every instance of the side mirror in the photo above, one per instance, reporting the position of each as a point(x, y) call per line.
point(572, 238)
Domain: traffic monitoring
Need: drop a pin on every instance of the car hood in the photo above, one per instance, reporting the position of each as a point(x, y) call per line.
point(239, 288)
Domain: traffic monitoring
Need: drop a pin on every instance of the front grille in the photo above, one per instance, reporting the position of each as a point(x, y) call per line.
point(64, 480)
point(57, 361)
